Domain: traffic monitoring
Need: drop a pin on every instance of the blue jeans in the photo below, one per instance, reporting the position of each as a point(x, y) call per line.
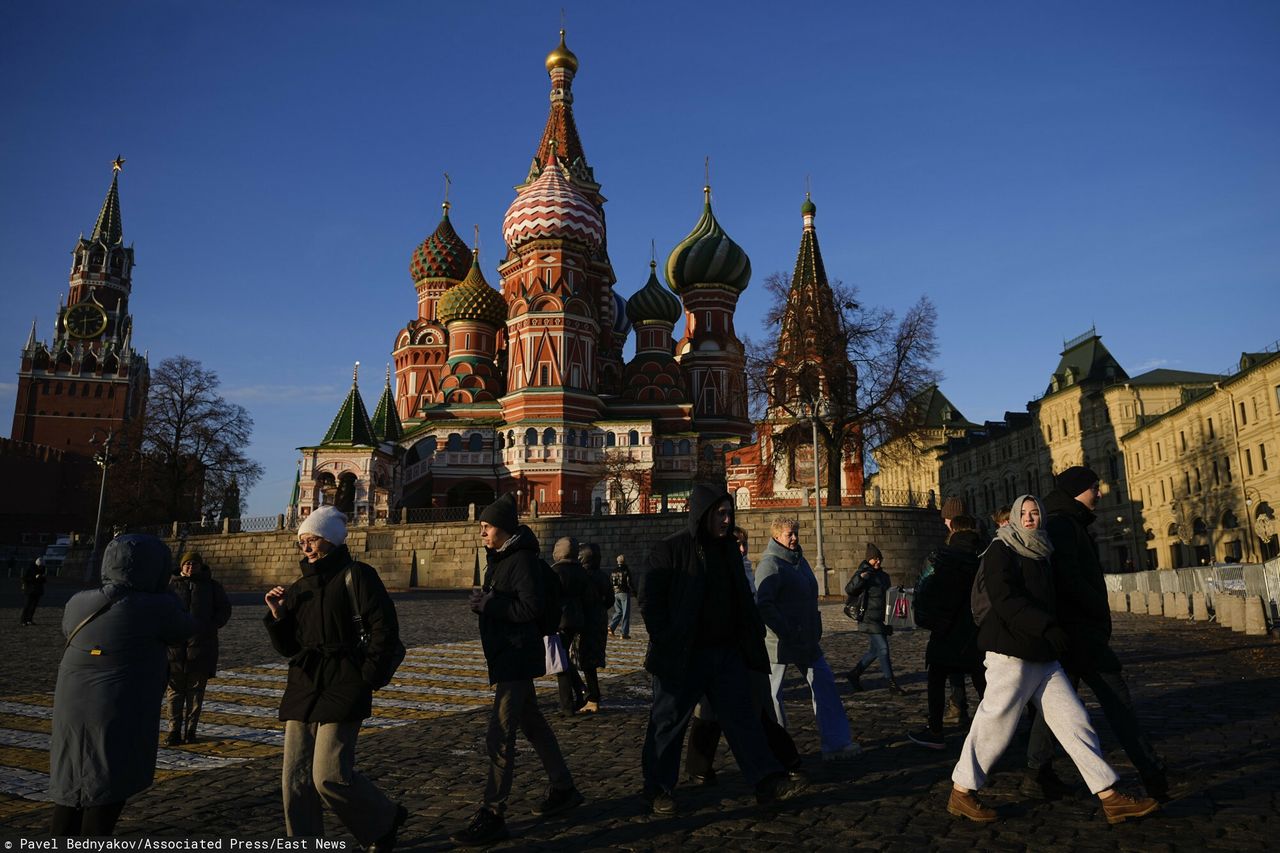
point(721, 675)
point(879, 649)
point(828, 710)
point(621, 613)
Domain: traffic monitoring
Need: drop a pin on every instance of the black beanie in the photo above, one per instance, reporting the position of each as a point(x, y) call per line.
point(502, 514)
point(1076, 479)
point(873, 553)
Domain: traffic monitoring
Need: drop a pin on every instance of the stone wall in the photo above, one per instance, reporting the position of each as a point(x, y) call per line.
point(443, 556)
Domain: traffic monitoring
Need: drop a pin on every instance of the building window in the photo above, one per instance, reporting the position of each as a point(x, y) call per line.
point(548, 436)
point(1216, 480)
point(684, 447)
point(1226, 467)
point(544, 376)
point(1243, 418)
point(633, 438)
point(610, 439)
point(1210, 422)
point(1065, 433)
point(1262, 456)
point(571, 438)
point(1182, 440)
point(475, 443)
point(1248, 462)
point(542, 493)
point(531, 436)
point(668, 447)
point(454, 443)
point(1159, 454)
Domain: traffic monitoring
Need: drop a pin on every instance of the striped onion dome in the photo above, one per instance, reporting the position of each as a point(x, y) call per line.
point(473, 299)
point(442, 254)
point(552, 208)
point(653, 302)
point(708, 256)
point(621, 322)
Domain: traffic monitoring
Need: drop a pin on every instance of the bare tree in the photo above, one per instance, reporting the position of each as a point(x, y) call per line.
point(858, 367)
point(624, 478)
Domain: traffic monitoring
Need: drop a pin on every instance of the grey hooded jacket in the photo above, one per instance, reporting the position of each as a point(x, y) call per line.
point(787, 595)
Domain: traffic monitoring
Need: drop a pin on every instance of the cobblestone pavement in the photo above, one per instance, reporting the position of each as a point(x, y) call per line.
point(1206, 695)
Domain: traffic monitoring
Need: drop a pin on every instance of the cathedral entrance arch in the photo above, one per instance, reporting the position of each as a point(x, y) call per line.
point(470, 492)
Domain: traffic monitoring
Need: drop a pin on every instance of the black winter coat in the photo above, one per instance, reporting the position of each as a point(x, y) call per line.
point(508, 626)
point(876, 586)
point(1082, 606)
point(330, 679)
point(206, 601)
point(673, 584)
point(574, 590)
point(1022, 607)
point(953, 639)
point(596, 601)
point(33, 578)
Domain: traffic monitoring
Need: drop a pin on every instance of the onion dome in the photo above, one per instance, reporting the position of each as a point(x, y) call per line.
point(473, 299)
point(621, 322)
point(562, 57)
point(441, 255)
point(653, 302)
point(552, 208)
point(708, 256)
point(808, 208)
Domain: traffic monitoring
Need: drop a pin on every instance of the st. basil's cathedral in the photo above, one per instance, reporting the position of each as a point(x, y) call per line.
point(524, 389)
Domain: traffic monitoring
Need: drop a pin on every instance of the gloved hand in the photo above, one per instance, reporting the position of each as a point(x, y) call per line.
point(1059, 639)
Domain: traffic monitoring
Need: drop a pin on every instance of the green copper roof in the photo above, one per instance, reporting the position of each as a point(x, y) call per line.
point(808, 208)
point(937, 412)
point(351, 427)
point(708, 256)
point(653, 302)
point(107, 229)
point(386, 421)
point(1085, 359)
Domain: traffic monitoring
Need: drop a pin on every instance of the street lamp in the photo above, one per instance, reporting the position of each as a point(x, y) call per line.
point(813, 407)
point(103, 460)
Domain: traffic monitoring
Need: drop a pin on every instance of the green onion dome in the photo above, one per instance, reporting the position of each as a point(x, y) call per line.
point(473, 299)
point(808, 208)
point(653, 302)
point(442, 254)
point(708, 256)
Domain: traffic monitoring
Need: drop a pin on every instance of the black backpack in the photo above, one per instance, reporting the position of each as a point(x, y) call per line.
point(549, 612)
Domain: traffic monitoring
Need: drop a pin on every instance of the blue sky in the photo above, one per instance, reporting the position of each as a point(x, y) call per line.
point(1035, 168)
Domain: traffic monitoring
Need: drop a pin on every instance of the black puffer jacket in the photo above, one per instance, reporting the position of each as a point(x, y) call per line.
point(206, 601)
point(574, 589)
point(1022, 606)
point(508, 626)
point(1082, 606)
point(953, 639)
point(33, 577)
point(330, 680)
point(673, 585)
point(876, 587)
point(596, 601)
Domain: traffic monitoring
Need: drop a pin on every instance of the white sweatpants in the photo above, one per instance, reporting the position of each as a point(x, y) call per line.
point(1011, 683)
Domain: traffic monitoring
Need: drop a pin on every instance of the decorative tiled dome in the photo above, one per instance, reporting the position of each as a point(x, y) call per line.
point(621, 322)
point(708, 256)
point(653, 302)
point(473, 299)
point(552, 208)
point(441, 255)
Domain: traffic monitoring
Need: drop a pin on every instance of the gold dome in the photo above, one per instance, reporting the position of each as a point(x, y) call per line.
point(562, 57)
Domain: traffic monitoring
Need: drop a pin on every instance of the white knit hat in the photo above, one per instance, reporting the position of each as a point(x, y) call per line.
point(327, 522)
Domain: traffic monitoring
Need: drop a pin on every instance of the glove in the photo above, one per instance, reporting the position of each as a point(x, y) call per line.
point(1059, 639)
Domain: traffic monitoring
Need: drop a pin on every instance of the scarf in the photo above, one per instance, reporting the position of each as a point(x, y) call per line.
point(1034, 544)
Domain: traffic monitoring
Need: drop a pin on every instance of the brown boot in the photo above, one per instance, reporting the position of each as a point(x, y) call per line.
point(965, 804)
point(1120, 807)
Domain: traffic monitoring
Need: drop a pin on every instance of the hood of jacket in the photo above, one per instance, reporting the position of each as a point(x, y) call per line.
point(136, 561)
point(966, 541)
point(782, 552)
point(523, 539)
point(701, 501)
point(1059, 502)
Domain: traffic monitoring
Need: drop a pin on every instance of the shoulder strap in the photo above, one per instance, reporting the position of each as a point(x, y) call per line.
point(94, 615)
point(350, 584)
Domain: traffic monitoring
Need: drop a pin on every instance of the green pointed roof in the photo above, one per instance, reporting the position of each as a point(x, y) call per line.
point(810, 309)
point(937, 412)
point(108, 230)
point(708, 256)
point(386, 421)
point(653, 303)
point(351, 427)
point(1084, 358)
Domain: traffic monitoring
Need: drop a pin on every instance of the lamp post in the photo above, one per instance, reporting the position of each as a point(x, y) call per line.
point(813, 405)
point(103, 460)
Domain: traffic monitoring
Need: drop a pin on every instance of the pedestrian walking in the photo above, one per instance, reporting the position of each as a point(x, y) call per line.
point(865, 595)
point(33, 579)
point(957, 711)
point(333, 672)
point(589, 653)
point(787, 596)
point(106, 705)
point(620, 620)
point(194, 662)
point(705, 634)
point(1085, 613)
point(1024, 641)
point(570, 689)
point(510, 605)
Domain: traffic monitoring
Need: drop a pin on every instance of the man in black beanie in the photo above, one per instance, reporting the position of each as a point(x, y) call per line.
point(510, 605)
point(1084, 612)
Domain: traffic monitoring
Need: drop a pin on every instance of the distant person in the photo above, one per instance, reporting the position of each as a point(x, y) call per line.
point(570, 689)
point(1023, 642)
point(33, 578)
point(866, 594)
point(590, 651)
point(787, 596)
point(106, 706)
point(512, 625)
point(620, 622)
point(1085, 613)
point(331, 682)
point(193, 663)
point(1001, 516)
point(957, 711)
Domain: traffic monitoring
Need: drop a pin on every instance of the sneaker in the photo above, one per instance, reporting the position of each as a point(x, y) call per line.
point(559, 800)
point(928, 739)
point(487, 827)
point(779, 787)
point(1043, 785)
point(661, 802)
point(387, 842)
point(965, 804)
point(851, 751)
point(1121, 807)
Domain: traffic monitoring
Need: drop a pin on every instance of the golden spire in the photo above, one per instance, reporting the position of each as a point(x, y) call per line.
point(117, 164)
point(446, 205)
point(562, 57)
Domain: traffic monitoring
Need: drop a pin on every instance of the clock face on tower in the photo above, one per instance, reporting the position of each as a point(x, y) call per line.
point(85, 320)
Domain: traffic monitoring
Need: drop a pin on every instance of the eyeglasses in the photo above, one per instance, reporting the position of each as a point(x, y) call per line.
point(305, 542)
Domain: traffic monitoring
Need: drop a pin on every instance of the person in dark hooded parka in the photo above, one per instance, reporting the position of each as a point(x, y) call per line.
point(193, 663)
point(106, 706)
point(705, 633)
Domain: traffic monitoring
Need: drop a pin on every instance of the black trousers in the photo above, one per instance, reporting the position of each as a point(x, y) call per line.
point(704, 740)
point(29, 609)
point(939, 676)
point(91, 822)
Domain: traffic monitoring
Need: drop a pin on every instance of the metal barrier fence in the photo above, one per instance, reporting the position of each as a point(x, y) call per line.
point(1260, 580)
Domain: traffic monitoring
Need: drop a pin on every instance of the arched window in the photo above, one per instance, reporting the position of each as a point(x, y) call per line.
point(548, 436)
point(585, 439)
point(610, 439)
point(668, 448)
point(475, 443)
point(1199, 528)
point(511, 438)
point(685, 447)
point(571, 438)
point(633, 438)
point(499, 441)
point(454, 443)
point(1229, 521)
point(531, 436)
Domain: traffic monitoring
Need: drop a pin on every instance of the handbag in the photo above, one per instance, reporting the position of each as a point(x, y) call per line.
point(364, 636)
point(556, 659)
